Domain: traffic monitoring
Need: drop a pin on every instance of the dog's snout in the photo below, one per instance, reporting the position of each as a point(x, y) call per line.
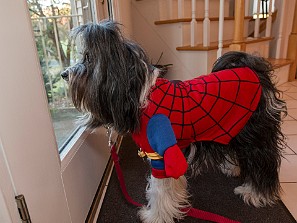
point(65, 75)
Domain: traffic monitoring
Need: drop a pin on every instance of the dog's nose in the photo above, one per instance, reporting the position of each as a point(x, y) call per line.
point(65, 75)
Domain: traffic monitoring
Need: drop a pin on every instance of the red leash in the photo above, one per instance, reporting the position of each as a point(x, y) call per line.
point(196, 213)
point(115, 159)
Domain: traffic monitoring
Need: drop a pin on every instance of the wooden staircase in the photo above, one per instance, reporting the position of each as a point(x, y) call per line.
point(172, 32)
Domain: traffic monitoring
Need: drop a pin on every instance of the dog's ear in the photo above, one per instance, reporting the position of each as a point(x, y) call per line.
point(129, 77)
point(116, 72)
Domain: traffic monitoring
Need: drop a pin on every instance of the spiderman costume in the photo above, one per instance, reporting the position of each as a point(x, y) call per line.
point(213, 107)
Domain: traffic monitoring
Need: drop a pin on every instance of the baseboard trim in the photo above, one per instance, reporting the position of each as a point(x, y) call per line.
point(91, 217)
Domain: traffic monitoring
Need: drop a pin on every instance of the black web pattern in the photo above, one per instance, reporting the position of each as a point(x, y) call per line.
point(201, 107)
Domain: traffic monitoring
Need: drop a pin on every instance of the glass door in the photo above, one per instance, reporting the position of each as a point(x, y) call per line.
point(52, 22)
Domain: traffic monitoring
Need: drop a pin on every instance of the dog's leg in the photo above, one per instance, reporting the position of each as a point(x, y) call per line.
point(259, 150)
point(193, 164)
point(259, 169)
point(191, 153)
point(230, 167)
point(166, 199)
point(196, 164)
point(252, 196)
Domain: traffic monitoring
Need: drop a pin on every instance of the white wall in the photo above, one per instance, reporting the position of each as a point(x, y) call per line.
point(122, 14)
point(156, 40)
point(165, 38)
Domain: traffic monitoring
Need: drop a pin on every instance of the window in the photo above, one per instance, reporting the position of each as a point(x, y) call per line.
point(52, 20)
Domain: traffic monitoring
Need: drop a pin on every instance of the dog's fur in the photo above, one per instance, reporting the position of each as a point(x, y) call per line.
point(111, 84)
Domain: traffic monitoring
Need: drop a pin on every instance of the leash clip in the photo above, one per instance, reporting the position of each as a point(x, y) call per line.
point(109, 135)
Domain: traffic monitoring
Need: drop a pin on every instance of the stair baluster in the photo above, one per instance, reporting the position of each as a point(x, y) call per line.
point(193, 23)
point(221, 29)
point(269, 20)
point(257, 21)
point(279, 51)
point(206, 24)
point(180, 8)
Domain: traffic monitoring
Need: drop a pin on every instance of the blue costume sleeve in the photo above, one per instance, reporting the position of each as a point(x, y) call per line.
point(160, 136)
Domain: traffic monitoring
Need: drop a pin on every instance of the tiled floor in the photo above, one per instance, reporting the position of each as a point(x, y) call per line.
point(288, 172)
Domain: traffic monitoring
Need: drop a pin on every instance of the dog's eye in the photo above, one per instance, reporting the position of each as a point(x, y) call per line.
point(151, 68)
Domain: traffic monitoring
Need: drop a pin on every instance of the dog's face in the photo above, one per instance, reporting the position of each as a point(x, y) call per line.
point(109, 80)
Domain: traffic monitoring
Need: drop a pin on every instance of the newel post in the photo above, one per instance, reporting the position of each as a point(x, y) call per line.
point(238, 43)
point(292, 49)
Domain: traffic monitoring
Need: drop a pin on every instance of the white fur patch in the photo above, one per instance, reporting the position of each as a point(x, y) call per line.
point(251, 197)
point(166, 199)
point(146, 90)
point(230, 168)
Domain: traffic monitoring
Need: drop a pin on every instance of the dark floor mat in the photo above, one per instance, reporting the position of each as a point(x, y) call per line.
point(212, 192)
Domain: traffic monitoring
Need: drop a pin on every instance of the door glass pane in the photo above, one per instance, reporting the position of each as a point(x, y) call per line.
point(51, 21)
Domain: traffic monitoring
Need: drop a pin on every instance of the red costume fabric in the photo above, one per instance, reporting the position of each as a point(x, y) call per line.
point(213, 107)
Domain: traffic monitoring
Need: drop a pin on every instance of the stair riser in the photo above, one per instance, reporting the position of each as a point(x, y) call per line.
point(282, 75)
point(260, 48)
point(194, 64)
point(214, 29)
point(214, 7)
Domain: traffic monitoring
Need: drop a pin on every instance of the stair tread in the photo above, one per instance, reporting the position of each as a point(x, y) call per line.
point(200, 19)
point(277, 63)
point(226, 43)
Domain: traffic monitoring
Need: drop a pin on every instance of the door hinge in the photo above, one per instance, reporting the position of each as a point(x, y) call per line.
point(22, 207)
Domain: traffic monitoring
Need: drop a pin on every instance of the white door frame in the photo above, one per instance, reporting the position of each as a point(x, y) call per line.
point(55, 190)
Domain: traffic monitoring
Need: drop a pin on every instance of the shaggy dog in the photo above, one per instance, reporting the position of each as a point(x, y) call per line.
point(229, 119)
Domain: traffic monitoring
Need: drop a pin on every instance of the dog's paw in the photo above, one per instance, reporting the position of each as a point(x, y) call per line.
point(251, 197)
point(148, 215)
point(167, 200)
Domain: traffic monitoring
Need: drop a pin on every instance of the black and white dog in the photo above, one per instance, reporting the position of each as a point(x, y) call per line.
point(229, 119)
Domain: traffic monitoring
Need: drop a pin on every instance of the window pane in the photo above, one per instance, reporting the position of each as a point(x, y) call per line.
point(52, 20)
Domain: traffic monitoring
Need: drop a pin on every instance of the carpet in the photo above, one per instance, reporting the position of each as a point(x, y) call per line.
point(212, 192)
